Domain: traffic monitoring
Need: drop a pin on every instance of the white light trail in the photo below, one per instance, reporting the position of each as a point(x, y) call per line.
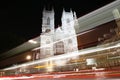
point(67, 55)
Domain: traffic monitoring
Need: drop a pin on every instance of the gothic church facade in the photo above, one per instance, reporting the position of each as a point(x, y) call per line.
point(60, 40)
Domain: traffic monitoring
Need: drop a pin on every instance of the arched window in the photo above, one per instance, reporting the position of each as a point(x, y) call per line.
point(48, 21)
point(59, 48)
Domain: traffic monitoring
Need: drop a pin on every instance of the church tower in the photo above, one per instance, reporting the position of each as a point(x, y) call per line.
point(46, 38)
point(48, 21)
point(67, 20)
point(68, 26)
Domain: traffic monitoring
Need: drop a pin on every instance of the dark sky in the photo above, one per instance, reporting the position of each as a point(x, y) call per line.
point(21, 19)
point(25, 16)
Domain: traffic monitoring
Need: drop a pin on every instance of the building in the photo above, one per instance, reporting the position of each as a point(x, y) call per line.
point(60, 40)
point(98, 27)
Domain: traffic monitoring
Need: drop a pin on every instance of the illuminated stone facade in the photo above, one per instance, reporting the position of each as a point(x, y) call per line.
point(60, 40)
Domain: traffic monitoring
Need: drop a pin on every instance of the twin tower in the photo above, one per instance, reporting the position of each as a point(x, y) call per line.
point(56, 41)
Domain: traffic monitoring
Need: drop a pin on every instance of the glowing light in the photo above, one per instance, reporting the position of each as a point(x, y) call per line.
point(40, 66)
point(28, 57)
point(90, 61)
point(15, 77)
point(32, 41)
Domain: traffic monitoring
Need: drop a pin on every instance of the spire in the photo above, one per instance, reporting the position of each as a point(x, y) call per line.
point(71, 13)
point(71, 10)
point(74, 14)
point(63, 9)
point(52, 9)
point(63, 13)
point(44, 8)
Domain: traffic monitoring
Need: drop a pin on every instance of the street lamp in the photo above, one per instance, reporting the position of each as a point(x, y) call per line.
point(28, 57)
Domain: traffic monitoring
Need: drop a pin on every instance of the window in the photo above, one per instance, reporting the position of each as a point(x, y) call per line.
point(68, 20)
point(48, 21)
point(59, 48)
point(36, 54)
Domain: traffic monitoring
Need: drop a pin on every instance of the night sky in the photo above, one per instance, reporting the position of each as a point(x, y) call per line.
point(21, 19)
